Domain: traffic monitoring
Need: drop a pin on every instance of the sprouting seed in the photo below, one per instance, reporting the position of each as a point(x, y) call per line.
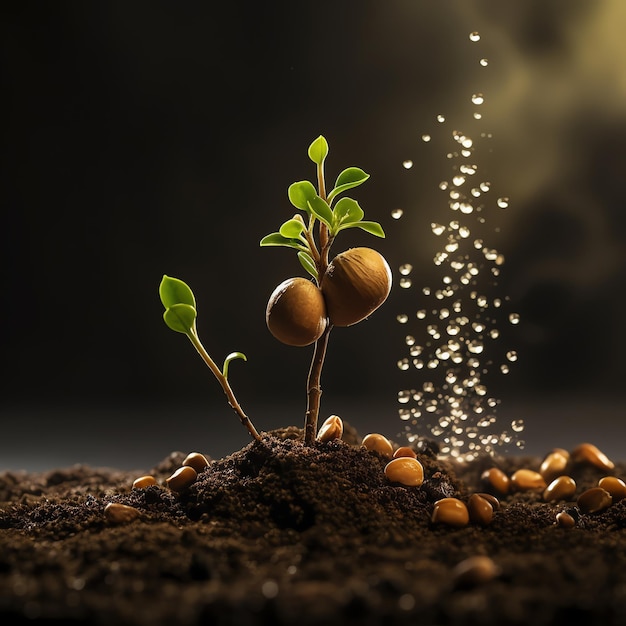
point(196, 460)
point(378, 443)
point(332, 428)
point(144, 481)
point(182, 478)
point(450, 511)
point(406, 471)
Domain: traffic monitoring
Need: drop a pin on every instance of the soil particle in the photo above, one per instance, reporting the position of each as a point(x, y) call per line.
point(280, 533)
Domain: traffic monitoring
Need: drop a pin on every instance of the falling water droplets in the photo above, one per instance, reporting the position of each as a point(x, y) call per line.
point(396, 214)
point(407, 164)
point(474, 36)
point(478, 98)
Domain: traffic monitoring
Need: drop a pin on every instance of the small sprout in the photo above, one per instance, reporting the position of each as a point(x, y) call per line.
point(378, 443)
point(494, 479)
point(615, 486)
point(561, 488)
point(451, 512)
point(554, 464)
point(594, 500)
point(480, 510)
point(406, 471)
point(331, 429)
point(116, 513)
point(196, 460)
point(588, 453)
point(144, 481)
point(405, 451)
point(182, 478)
point(525, 480)
point(565, 520)
point(475, 570)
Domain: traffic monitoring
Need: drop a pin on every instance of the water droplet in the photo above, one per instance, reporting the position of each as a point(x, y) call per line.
point(421, 314)
point(406, 269)
point(458, 180)
point(503, 203)
point(484, 62)
point(408, 164)
point(425, 138)
point(511, 355)
point(474, 36)
point(477, 115)
point(478, 98)
point(517, 425)
point(441, 119)
point(403, 318)
point(443, 185)
point(466, 208)
point(397, 214)
point(514, 318)
point(438, 229)
point(409, 340)
point(405, 282)
point(403, 364)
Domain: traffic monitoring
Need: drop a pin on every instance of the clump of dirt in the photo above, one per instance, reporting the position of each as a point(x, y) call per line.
point(282, 533)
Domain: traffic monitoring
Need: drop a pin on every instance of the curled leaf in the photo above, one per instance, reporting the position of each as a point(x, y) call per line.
point(231, 357)
point(180, 318)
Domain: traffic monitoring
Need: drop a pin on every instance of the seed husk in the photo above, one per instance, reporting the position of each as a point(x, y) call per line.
point(495, 503)
point(182, 478)
point(378, 443)
point(554, 464)
point(405, 451)
point(594, 500)
point(526, 479)
point(406, 471)
point(196, 460)
point(117, 513)
point(565, 520)
point(475, 570)
point(332, 428)
point(296, 312)
point(480, 510)
point(144, 481)
point(450, 511)
point(615, 486)
point(494, 479)
point(561, 488)
point(588, 453)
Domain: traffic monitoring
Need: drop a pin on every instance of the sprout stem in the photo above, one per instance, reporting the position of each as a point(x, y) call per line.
point(314, 389)
point(223, 381)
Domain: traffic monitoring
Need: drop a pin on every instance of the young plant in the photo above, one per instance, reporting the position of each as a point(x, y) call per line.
point(180, 315)
point(343, 291)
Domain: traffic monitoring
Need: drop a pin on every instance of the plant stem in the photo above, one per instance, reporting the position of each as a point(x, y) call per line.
point(223, 381)
point(314, 389)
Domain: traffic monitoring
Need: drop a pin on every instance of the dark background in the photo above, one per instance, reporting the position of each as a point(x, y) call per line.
point(143, 138)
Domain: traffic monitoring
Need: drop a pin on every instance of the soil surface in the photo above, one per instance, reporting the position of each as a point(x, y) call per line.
point(279, 533)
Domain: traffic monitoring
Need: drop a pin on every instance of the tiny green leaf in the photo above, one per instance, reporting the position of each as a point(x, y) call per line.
point(347, 211)
point(374, 228)
point(292, 229)
point(318, 150)
point(175, 291)
point(301, 193)
point(180, 317)
point(231, 357)
point(308, 264)
point(321, 210)
point(350, 177)
point(276, 239)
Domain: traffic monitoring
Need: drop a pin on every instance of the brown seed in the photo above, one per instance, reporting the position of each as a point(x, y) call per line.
point(406, 471)
point(475, 570)
point(525, 479)
point(561, 488)
point(182, 478)
point(588, 453)
point(405, 451)
point(615, 486)
point(554, 464)
point(495, 503)
point(594, 500)
point(355, 284)
point(480, 510)
point(196, 460)
point(120, 513)
point(378, 443)
point(495, 479)
point(144, 481)
point(450, 511)
point(331, 429)
point(565, 520)
point(296, 312)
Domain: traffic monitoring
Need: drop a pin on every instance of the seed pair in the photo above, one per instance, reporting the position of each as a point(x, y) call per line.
point(182, 478)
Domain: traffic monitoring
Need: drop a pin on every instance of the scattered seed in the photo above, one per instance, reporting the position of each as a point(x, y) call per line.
point(196, 460)
point(554, 464)
point(120, 513)
point(565, 520)
point(561, 488)
point(475, 570)
point(495, 503)
point(378, 443)
point(450, 511)
point(496, 480)
point(525, 479)
point(406, 471)
point(588, 453)
point(144, 481)
point(480, 510)
point(405, 451)
point(615, 486)
point(594, 500)
point(331, 429)
point(182, 478)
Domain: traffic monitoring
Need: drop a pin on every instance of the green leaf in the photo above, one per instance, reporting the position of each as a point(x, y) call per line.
point(347, 211)
point(301, 193)
point(318, 150)
point(321, 210)
point(292, 229)
point(174, 291)
point(350, 177)
point(231, 357)
point(374, 228)
point(276, 239)
point(181, 318)
point(308, 264)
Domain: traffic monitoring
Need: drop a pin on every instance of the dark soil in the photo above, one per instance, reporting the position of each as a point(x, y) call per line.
point(279, 533)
